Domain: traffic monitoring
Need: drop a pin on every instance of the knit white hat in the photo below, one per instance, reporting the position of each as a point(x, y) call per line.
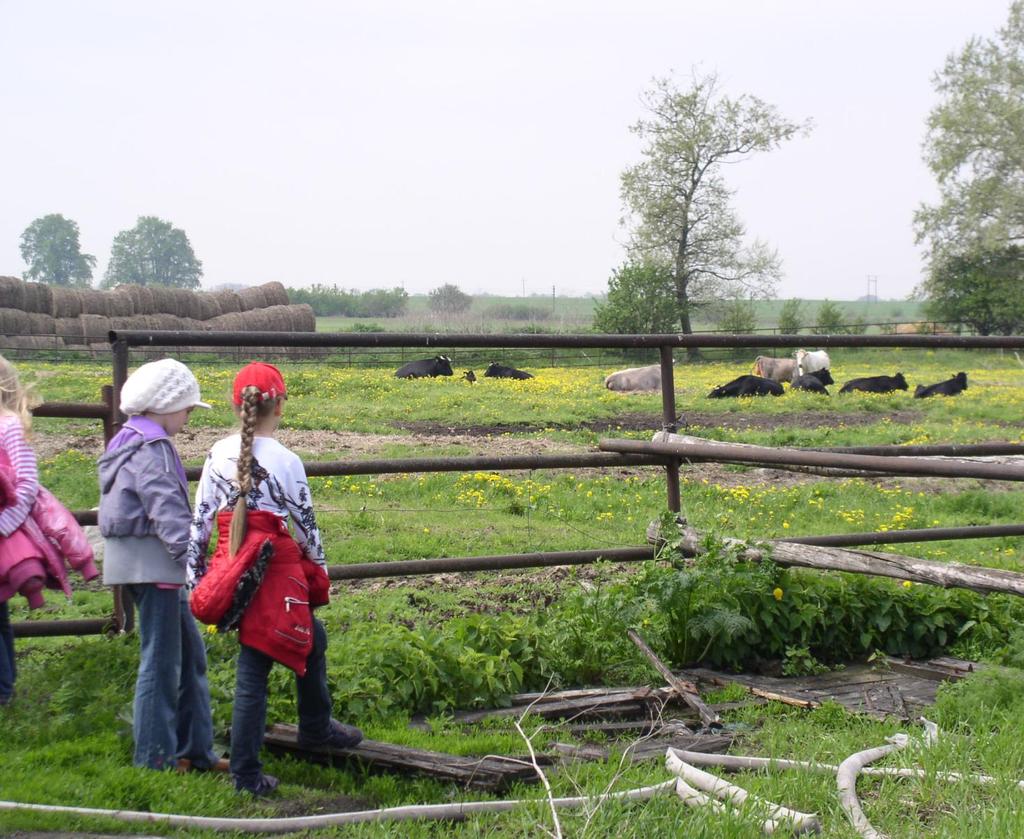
point(162, 387)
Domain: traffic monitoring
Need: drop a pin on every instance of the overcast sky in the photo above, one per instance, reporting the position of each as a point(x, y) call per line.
point(379, 144)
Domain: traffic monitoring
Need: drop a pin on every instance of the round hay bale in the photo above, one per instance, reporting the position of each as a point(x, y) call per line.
point(14, 322)
point(209, 306)
point(275, 294)
point(93, 302)
point(188, 304)
point(228, 301)
point(38, 298)
point(303, 317)
point(70, 329)
point(252, 298)
point(257, 320)
point(120, 304)
point(142, 298)
point(12, 293)
point(40, 324)
point(277, 318)
point(67, 303)
point(163, 300)
point(95, 327)
point(231, 322)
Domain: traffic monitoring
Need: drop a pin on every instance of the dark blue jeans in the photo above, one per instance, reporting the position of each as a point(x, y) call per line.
point(249, 714)
point(8, 670)
point(172, 698)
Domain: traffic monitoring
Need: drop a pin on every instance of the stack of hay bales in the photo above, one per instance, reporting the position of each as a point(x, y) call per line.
point(78, 317)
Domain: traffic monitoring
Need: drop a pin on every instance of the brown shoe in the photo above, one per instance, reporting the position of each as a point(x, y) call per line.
point(186, 765)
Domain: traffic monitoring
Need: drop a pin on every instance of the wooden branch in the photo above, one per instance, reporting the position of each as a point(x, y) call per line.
point(846, 779)
point(873, 563)
point(687, 691)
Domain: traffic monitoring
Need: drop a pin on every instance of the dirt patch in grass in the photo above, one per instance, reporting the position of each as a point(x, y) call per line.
point(193, 444)
point(652, 422)
point(294, 807)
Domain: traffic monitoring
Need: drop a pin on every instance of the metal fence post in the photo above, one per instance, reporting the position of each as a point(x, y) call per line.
point(668, 423)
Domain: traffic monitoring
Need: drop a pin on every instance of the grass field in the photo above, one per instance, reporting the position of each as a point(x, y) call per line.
point(574, 314)
point(432, 645)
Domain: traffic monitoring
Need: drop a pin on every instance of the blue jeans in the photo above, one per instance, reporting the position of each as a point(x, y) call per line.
point(8, 670)
point(249, 714)
point(172, 699)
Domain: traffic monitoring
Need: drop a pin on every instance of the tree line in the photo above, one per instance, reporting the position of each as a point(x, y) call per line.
point(153, 252)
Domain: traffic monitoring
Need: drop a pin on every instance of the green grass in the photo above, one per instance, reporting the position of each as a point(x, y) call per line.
point(430, 645)
point(575, 314)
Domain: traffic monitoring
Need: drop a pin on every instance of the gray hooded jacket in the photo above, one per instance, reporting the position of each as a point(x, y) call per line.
point(144, 513)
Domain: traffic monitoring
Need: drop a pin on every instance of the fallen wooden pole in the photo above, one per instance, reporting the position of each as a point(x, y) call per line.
point(744, 453)
point(687, 691)
point(874, 563)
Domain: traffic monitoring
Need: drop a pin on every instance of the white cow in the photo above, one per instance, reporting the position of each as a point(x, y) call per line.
point(809, 362)
point(635, 378)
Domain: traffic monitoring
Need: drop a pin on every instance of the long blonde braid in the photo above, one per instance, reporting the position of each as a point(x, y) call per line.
point(249, 413)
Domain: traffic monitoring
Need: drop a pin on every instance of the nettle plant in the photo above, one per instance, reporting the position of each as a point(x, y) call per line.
point(721, 610)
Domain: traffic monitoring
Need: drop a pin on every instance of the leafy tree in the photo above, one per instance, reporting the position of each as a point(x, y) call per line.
point(677, 200)
point(982, 290)
point(449, 299)
point(973, 147)
point(830, 320)
point(641, 300)
point(153, 253)
point(50, 247)
point(738, 316)
point(791, 317)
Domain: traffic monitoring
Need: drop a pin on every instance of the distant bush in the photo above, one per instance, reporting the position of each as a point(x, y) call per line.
point(331, 301)
point(516, 311)
point(449, 299)
point(367, 327)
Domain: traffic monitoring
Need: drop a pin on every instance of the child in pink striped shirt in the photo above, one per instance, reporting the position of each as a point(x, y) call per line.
point(15, 418)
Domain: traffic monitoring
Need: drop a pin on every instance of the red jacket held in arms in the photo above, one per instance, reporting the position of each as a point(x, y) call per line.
point(267, 590)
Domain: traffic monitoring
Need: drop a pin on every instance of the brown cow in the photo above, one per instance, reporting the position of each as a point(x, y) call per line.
point(776, 369)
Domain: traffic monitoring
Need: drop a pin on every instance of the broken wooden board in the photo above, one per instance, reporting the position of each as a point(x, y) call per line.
point(491, 773)
point(603, 703)
point(896, 689)
point(649, 748)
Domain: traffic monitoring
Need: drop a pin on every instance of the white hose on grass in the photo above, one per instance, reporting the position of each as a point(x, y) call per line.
point(779, 817)
point(741, 763)
point(287, 824)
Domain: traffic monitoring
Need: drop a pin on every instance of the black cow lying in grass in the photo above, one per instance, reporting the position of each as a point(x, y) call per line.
point(815, 381)
point(876, 384)
point(950, 387)
point(500, 371)
point(747, 386)
point(439, 365)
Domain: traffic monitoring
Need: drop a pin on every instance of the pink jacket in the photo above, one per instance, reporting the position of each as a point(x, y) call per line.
point(50, 535)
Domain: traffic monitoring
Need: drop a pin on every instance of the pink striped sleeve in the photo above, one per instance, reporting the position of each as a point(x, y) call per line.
point(26, 475)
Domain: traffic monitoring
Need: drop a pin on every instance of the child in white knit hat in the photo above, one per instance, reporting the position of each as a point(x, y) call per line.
point(144, 517)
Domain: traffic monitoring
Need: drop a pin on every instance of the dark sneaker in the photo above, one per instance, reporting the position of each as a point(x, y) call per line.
point(263, 785)
point(341, 736)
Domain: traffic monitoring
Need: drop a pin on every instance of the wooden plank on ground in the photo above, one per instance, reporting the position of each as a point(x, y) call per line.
point(491, 773)
point(902, 690)
point(648, 748)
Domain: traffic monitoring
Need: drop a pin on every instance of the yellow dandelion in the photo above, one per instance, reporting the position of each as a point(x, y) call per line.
point(777, 593)
point(907, 584)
